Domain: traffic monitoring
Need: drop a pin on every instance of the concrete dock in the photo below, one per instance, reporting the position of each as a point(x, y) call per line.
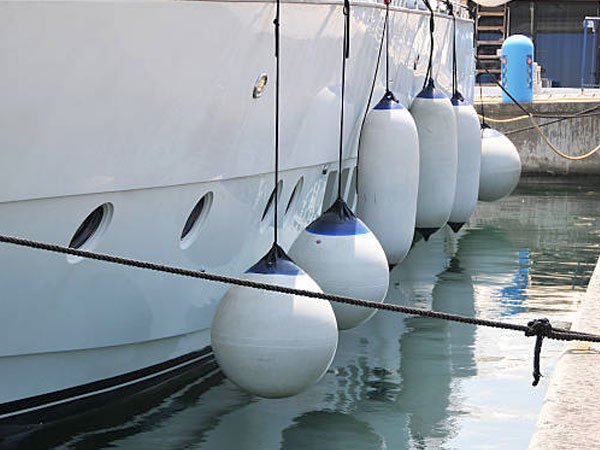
point(573, 136)
point(570, 415)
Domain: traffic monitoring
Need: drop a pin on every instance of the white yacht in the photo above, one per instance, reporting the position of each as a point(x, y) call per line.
point(144, 129)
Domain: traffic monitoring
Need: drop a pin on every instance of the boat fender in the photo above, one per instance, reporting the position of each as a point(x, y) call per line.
point(345, 258)
point(438, 160)
point(468, 138)
point(272, 344)
point(388, 176)
point(500, 165)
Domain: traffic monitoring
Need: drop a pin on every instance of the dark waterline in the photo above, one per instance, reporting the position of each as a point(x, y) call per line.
point(399, 382)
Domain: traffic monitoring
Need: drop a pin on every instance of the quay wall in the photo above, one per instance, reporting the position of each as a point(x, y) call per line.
point(570, 415)
point(573, 136)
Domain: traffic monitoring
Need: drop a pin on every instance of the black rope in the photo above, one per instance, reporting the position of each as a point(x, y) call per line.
point(276, 25)
point(540, 328)
point(455, 92)
point(374, 81)
point(387, 45)
point(582, 115)
point(428, 74)
point(493, 78)
point(483, 123)
point(345, 56)
point(389, 94)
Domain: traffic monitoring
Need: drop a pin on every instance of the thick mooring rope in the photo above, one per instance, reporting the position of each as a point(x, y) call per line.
point(541, 328)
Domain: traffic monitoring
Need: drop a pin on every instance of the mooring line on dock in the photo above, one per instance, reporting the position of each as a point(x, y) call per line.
point(540, 328)
point(552, 121)
point(536, 125)
point(560, 117)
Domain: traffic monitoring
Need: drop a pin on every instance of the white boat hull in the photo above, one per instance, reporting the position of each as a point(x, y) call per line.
point(147, 105)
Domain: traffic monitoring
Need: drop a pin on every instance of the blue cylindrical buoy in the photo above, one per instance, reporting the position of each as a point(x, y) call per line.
point(517, 68)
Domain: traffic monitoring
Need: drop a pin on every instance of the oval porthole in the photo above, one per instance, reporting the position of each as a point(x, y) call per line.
point(269, 207)
point(195, 220)
point(90, 230)
point(295, 195)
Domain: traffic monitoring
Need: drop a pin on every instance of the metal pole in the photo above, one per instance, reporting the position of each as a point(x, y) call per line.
point(584, 53)
point(594, 51)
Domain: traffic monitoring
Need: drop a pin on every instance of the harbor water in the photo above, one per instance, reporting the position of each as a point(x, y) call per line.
point(399, 382)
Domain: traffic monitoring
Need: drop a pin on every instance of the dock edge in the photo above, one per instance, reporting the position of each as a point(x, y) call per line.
point(570, 415)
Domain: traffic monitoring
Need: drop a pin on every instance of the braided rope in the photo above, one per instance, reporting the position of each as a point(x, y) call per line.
point(509, 120)
point(540, 328)
point(552, 333)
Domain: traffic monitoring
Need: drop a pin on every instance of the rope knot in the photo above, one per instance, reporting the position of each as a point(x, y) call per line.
point(390, 96)
point(346, 9)
point(540, 328)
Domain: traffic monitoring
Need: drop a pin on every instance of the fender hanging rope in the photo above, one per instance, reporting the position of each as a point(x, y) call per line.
point(429, 74)
point(389, 94)
point(345, 56)
point(374, 81)
point(455, 92)
point(541, 328)
point(276, 26)
point(536, 124)
point(483, 118)
point(387, 45)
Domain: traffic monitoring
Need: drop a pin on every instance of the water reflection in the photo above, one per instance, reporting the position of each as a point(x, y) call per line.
point(313, 430)
point(512, 297)
point(396, 382)
point(454, 294)
point(435, 352)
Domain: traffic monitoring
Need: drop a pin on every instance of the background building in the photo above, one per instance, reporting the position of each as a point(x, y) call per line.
point(556, 28)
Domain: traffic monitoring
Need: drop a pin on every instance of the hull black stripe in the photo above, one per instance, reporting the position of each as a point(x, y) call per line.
point(87, 389)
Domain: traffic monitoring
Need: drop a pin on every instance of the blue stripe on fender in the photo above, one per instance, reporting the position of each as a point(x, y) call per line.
point(386, 103)
point(280, 268)
point(431, 92)
point(325, 227)
point(275, 262)
point(338, 220)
